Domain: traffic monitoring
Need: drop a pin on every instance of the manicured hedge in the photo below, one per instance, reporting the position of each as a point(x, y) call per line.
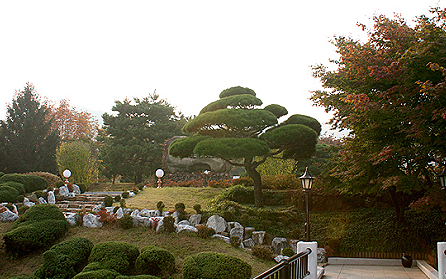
point(216, 266)
point(116, 255)
point(30, 182)
point(37, 228)
point(66, 259)
point(8, 194)
point(17, 185)
point(142, 276)
point(98, 274)
point(155, 260)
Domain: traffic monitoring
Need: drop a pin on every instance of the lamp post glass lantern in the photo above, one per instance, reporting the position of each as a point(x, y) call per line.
point(66, 174)
point(159, 173)
point(307, 183)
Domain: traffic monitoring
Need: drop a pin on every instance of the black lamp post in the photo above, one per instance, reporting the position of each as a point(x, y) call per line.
point(307, 182)
point(442, 177)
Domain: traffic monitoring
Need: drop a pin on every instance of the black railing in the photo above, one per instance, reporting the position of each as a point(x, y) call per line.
point(295, 267)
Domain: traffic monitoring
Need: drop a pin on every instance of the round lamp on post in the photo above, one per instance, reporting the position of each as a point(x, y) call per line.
point(159, 173)
point(307, 183)
point(442, 177)
point(66, 174)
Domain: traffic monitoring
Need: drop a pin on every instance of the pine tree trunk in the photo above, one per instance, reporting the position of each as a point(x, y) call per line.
point(255, 175)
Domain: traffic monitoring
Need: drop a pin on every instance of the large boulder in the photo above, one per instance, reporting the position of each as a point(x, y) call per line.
point(258, 237)
point(91, 221)
point(216, 222)
point(7, 216)
point(278, 244)
point(195, 219)
point(51, 197)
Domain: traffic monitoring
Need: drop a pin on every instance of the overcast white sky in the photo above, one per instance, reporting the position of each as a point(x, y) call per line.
point(96, 52)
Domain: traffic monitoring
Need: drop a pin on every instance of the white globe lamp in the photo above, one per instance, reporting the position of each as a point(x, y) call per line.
point(159, 173)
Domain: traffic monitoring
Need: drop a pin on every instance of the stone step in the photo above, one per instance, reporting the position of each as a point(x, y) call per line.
point(85, 198)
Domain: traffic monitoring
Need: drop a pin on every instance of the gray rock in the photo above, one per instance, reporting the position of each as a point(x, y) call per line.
point(135, 213)
point(148, 213)
point(183, 223)
point(279, 258)
point(237, 232)
point(139, 221)
point(63, 190)
point(258, 237)
point(76, 189)
point(293, 244)
point(278, 244)
point(185, 228)
point(42, 200)
point(221, 237)
point(98, 207)
point(216, 222)
point(160, 225)
point(232, 225)
point(51, 198)
point(119, 213)
point(195, 219)
point(321, 255)
point(176, 216)
point(127, 210)
point(91, 221)
point(110, 209)
point(248, 232)
point(249, 243)
point(7, 215)
point(70, 217)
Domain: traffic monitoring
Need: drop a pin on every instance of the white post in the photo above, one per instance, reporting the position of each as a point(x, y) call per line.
point(312, 257)
point(441, 248)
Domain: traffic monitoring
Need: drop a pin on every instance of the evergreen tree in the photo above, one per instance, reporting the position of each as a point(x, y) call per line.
point(27, 142)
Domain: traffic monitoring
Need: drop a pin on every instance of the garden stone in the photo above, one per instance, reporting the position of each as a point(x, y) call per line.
point(278, 244)
point(249, 243)
point(135, 213)
point(232, 225)
point(258, 237)
point(42, 200)
point(216, 222)
point(131, 194)
point(127, 210)
point(195, 219)
point(321, 255)
point(7, 215)
point(185, 228)
point(221, 237)
point(280, 258)
point(139, 221)
point(183, 223)
point(119, 213)
point(248, 232)
point(51, 198)
point(147, 213)
point(98, 207)
point(76, 189)
point(154, 221)
point(14, 209)
point(63, 191)
point(176, 216)
point(91, 221)
point(110, 209)
point(293, 244)
point(27, 202)
point(70, 217)
point(237, 232)
point(160, 226)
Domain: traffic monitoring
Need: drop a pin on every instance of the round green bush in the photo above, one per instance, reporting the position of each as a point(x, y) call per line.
point(108, 201)
point(30, 182)
point(40, 212)
point(125, 194)
point(180, 207)
point(216, 266)
point(154, 260)
point(98, 274)
point(30, 236)
point(17, 185)
point(82, 187)
point(126, 222)
point(22, 209)
point(116, 255)
point(8, 194)
point(66, 259)
point(169, 224)
point(240, 194)
point(235, 241)
point(289, 252)
point(117, 198)
point(141, 276)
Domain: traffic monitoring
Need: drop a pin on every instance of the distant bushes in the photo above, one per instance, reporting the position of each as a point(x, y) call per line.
point(30, 182)
point(66, 259)
point(38, 227)
point(216, 266)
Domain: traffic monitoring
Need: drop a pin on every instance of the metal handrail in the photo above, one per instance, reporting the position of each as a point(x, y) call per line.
point(295, 267)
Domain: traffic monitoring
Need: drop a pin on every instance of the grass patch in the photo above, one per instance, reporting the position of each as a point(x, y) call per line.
point(180, 245)
point(149, 197)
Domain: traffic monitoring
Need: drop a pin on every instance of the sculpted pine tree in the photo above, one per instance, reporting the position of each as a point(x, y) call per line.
point(236, 130)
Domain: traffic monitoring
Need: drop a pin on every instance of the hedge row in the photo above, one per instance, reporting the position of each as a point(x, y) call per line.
point(30, 182)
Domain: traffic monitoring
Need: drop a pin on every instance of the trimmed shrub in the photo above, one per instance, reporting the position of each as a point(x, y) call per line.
point(23, 209)
point(66, 259)
point(52, 179)
point(122, 203)
point(59, 184)
point(197, 208)
point(154, 260)
point(204, 231)
point(262, 252)
point(125, 194)
point(38, 213)
point(8, 194)
point(30, 182)
point(116, 255)
point(169, 224)
point(30, 236)
point(17, 185)
point(241, 194)
point(160, 206)
point(216, 266)
point(126, 222)
point(108, 201)
point(180, 207)
point(20, 198)
point(117, 198)
point(235, 241)
point(98, 274)
point(82, 187)
point(289, 252)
